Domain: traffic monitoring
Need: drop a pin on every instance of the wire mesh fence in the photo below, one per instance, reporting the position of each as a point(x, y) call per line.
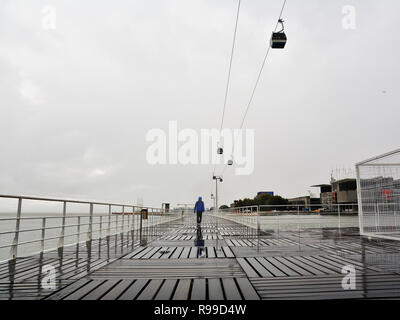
point(378, 185)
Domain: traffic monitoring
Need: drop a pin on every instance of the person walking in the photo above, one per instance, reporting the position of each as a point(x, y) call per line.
point(199, 209)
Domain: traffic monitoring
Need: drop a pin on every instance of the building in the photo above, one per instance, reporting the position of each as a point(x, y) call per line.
point(305, 202)
point(343, 192)
point(325, 194)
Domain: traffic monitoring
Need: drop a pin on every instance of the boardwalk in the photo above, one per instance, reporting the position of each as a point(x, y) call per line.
point(235, 264)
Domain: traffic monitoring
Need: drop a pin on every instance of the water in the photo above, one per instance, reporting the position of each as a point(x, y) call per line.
point(75, 223)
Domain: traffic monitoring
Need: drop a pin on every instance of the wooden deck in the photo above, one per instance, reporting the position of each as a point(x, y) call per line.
point(235, 264)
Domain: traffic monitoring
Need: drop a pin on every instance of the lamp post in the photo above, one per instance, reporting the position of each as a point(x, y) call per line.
point(217, 178)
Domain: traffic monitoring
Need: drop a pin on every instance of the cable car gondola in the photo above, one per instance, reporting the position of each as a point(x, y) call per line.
point(278, 39)
point(230, 162)
point(220, 151)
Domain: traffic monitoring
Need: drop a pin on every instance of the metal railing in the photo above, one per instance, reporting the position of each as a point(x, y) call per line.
point(293, 217)
point(61, 227)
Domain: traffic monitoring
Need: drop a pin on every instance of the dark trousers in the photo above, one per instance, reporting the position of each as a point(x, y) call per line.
point(199, 214)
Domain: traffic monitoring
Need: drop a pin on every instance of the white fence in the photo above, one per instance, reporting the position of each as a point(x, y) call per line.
point(378, 187)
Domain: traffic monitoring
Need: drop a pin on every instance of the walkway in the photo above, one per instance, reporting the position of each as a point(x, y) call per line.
point(234, 264)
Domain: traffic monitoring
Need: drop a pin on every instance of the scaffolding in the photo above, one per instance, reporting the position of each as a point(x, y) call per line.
point(378, 193)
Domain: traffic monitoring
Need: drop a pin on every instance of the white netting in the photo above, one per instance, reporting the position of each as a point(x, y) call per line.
point(379, 196)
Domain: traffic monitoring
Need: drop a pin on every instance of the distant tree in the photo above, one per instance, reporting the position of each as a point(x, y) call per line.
point(277, 201)
point(224, 206)
point(261, 199)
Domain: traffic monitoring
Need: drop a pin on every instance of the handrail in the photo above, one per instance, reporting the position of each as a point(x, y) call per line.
point(25, 197)
point(93, 223)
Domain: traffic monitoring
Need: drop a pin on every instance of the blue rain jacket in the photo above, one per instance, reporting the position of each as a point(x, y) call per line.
point(199, 206)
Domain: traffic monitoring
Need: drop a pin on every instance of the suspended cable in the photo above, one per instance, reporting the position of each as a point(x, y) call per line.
point(229, 73)
point(257, 81)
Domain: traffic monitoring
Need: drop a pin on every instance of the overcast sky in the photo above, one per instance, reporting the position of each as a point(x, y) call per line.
point(77, 101)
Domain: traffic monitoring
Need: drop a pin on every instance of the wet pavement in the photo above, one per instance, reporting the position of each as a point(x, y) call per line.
point(220, 259)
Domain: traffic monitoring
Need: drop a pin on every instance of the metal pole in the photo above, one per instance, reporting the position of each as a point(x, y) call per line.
point(90, 229)
point(109, 221)
point(359, 201)
point(14, 246)
point(216, 195)
point(62, 235)
point(79, 229)
point(43, 234)
point(101, 227)
point(140, 229)
point(133, 226)
point(122, 226)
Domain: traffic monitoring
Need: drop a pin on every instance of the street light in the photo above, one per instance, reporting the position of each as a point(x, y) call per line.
point(217, 178)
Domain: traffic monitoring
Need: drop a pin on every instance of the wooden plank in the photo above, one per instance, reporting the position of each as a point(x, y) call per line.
point(150, 291)
point(215, 289)
point(247, 290)
point(182, 290)
point(115, 292)
point(292, 266)
point(133, 253)
point(168, 254)
point(133, 290)
point(250, 272)
point(141, 253)
point(211, 252)
point(193, 253)
point(259, 268)
point(198, 289)
point(230, 289)
point(219, 252)
point(177, 253)
point(150, 253)
point(158, 254)
point(62, 293)
point(166, 290)
point(228, 252)
point(307, 267)
point(281, 266)
point(241, 243)
point(316, 265)
point(185, 253)
point(101, 290)
point(81, 292)
point(333, 268)
point(271, 268)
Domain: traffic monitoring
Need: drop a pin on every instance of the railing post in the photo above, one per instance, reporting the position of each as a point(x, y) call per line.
point(122, 226)
point(43, 235)
point(128, 230)
point(298, 226)
point(109, 221)
point(133, 224)
point(339, 216)
point(14, 246)
point(258, 233)
point(62, 234)
point(79, 228)
point(140, 228)
point(101, 227)
point(90, 228)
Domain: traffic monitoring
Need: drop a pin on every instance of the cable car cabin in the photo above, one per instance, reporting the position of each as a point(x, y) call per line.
point(220, 151)
point(230, 162)
point(278, 40)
